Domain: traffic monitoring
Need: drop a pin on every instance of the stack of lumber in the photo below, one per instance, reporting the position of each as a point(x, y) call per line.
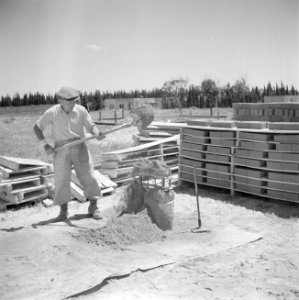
point(272, 112)
point(23, 180)
point(118, 165)
point(261, 162)
point(107, 186)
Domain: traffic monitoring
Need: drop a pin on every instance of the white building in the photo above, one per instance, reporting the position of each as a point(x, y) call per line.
point(129, 103)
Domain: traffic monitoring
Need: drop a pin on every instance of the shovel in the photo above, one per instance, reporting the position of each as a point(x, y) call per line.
point(198, 229)
point(142, 117)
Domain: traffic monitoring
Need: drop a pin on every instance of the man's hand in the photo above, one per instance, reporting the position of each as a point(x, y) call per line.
point(100, 136)
point(49, 150)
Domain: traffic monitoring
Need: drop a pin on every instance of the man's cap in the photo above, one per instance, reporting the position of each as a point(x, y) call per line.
point(68, 94)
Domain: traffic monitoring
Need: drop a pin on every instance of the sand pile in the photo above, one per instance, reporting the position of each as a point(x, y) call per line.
point(123, 231)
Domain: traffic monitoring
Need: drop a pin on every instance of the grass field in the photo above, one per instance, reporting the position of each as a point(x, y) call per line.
point(18, 140)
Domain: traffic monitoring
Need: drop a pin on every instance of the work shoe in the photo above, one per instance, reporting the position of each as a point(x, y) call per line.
point(63, 213)
point(93, 210)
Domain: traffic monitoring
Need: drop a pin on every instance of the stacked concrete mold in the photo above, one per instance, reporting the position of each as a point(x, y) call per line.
point(262, 162)
point(271, 112)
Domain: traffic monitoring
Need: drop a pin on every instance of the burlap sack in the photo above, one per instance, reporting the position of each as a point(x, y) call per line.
point(161, 207)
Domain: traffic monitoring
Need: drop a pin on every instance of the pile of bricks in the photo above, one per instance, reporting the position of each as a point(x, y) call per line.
point(271, 112)
point(262, 162)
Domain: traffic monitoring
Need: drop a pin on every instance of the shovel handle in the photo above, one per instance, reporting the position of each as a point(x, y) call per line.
point(94, 136)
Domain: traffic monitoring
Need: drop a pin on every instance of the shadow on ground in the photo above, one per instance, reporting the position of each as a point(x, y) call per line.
point(282, 209)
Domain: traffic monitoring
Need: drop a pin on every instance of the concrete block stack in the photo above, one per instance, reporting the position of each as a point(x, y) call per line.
point(283, 168)
point(270, 112)
point(209, 150)
point(254, 160)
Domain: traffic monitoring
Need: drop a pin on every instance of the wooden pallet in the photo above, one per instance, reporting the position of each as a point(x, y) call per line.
point(16, 163)
point(12, 185)
point(7, 174)
point(25, 194)
point(78, 193)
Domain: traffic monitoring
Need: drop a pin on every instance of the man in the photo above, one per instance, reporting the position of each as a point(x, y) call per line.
point(68, 121)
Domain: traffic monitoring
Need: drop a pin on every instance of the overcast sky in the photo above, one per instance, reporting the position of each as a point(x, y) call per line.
point(140, 44)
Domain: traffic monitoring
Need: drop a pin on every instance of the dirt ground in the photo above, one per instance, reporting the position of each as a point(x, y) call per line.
point(264, 269)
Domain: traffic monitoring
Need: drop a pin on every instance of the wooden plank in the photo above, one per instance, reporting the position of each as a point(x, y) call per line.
point(16, 163)
point(104, 180)
point(24, 195)
point(166, 125)
point(116, 172)
point(21, 192)
point(110, 164)
point(109, 190)
point(20, 177)
point(13, 186)
point(34, 195)
point(116, 155)
point(77, 192)
point(159, 134)
point(8, 174)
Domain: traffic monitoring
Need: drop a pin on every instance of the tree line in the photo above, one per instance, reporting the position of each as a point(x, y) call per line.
point(175, 93)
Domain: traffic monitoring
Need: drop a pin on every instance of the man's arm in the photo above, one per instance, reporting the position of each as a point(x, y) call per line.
point(40, 136)
point(95, 131)
point(38, 133)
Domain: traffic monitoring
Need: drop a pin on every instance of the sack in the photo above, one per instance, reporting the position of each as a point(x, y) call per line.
point(132, 200)
point(161, 206)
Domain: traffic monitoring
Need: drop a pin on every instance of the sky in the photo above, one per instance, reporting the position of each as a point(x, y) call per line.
point(109, 45)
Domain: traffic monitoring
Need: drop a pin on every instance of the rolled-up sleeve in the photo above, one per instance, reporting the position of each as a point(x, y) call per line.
point(87, 120)
point(45, 120)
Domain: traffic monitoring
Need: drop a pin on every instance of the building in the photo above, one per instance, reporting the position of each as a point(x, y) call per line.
point(129, 103)
point(281, 99)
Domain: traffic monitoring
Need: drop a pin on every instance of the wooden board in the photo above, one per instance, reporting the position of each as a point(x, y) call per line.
point(77, 192)
point(10, 187)
point(26, 194)
point(16, 163)
point(9, 174)
point(118, 154)
point(104, 181)
point(114, 173)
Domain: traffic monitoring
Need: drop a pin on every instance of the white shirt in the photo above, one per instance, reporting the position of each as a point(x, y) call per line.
point(66, 126)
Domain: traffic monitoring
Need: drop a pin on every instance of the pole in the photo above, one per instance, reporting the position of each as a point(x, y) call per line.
point(197, 200)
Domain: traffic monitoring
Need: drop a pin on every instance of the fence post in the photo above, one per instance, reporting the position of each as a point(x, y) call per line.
point(100, 115)
point(123, 113)
point(115, 117)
